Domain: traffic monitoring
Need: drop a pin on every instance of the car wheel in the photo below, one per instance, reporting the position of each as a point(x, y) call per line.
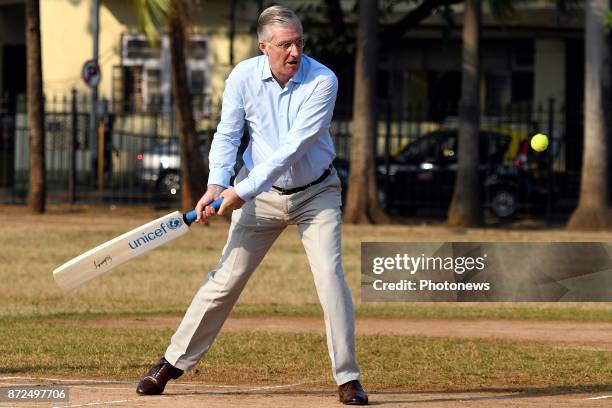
point(504, 203)
point(170, 183)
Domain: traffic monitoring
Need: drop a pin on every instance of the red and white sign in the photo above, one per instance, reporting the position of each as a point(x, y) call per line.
point(91, 73)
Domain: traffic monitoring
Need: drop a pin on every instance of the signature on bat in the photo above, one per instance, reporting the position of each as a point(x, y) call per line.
point(101, 263)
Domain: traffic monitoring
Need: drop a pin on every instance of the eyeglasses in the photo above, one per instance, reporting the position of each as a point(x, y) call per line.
point(286, 46)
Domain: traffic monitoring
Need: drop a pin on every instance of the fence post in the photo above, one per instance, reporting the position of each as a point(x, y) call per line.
point(549, 158)
point(101, 158)
point(387, 154)
point(72, 147)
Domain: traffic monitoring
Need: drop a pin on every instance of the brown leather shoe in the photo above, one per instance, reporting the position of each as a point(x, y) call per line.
point(154, 381)
point(351, 393)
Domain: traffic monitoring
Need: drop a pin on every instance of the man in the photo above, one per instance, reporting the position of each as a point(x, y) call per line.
point(286, 100)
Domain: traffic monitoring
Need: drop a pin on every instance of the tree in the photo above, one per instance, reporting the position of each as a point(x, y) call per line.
point(36, 110)
point(593, 211)
point(500, 9)
point(193, 171)
point(153, 15)
point(362, 201)
point(333, 44)
point(466, 208)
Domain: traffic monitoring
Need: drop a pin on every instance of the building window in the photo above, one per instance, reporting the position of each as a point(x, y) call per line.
point(497, 93)
point(142, 82)
point(130, 89)
point(522, 86)
point(136, 49)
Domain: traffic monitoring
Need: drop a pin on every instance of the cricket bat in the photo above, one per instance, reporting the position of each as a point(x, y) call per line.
point(115, 252)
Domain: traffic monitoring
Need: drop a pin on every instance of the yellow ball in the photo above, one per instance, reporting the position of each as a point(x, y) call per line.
point(539, 142)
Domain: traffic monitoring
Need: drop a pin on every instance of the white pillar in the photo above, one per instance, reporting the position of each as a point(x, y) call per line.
point(549, 75)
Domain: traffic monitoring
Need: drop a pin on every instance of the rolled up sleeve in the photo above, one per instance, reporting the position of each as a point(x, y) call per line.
point(227, 138)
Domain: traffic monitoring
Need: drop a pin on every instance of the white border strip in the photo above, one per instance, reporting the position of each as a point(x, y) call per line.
point(600, 398)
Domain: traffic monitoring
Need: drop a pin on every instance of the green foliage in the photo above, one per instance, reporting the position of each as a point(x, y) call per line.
point(569, 6)
point(503, 10)
point(331, 36)
point(608, 20)
point(326, 41)
point(152, 17)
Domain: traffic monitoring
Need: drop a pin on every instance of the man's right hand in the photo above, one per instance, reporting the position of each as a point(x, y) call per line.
point(203, 210)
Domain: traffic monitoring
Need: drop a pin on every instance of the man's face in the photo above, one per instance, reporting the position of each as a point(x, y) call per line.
point(284, 51)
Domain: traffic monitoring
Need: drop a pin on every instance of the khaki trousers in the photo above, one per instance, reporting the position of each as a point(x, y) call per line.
point(253, 230)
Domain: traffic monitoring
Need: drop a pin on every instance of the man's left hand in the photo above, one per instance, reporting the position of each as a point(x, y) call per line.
point(231, 201)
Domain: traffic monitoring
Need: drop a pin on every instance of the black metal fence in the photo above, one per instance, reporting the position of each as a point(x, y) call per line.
point(134, 157)
point(537, 184)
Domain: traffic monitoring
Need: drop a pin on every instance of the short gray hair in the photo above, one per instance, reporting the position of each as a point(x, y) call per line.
point(278, 16)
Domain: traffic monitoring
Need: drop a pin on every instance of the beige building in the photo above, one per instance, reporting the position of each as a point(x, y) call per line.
point(134, 75)
point(528, 59)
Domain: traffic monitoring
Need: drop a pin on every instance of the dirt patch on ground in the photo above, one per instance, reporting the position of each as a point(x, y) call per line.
point(583, 335)
point(87, 392)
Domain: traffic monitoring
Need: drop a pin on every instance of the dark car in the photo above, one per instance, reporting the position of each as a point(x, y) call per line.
point(421, 175)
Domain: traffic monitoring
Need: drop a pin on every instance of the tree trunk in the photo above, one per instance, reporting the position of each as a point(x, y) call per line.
point(36, 110)
point(232, 30)
point(362, 201)
point(466, 207)
point(593, 210)
point(193, 170)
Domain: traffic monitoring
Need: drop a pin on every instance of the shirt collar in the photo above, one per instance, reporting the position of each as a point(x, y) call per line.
point(298, 77)
point(267, 72)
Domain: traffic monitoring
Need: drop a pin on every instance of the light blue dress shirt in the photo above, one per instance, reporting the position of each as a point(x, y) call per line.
point(290, 145)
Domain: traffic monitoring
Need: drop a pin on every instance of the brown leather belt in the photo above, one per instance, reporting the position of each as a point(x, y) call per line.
point(287, 191)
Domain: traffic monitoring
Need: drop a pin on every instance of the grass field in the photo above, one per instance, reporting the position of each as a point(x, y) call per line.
point(163, 281)
point(389, 362)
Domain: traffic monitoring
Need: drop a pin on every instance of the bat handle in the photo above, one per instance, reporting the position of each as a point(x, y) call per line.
point(191, 216)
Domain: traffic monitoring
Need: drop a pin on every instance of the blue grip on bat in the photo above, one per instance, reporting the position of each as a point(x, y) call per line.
point(192, 215)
